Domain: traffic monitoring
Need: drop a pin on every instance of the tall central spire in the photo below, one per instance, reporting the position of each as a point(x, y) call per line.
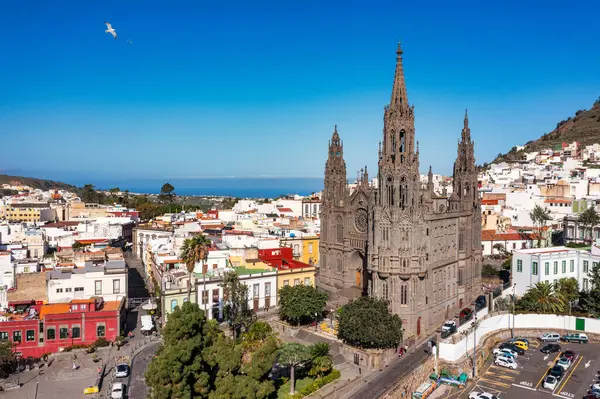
point(399, 96)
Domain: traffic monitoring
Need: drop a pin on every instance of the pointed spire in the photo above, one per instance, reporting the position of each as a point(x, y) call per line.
point(466, 119)
point(399, 96)
point(430, 179)
point(466, 132)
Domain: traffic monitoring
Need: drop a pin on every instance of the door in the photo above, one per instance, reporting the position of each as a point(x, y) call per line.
point(419, 327)
point(255, 305)
point(268, 302)
point(358, 278)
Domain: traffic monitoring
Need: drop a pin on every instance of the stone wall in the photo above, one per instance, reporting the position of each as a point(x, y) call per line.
point(405, 386)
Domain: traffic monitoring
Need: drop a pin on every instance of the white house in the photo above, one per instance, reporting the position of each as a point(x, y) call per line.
point(6, 270)
point(216, 259)
point(531, 266)
point(262, 292)
point(107, 280)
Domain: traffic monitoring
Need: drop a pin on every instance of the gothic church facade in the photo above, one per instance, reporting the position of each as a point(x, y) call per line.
point(400, 240)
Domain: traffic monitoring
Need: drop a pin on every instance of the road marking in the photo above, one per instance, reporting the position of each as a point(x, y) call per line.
point(535, 344)
point(502, 384)
point(504, 369)
point(559, 388)
point(524, 387)
point(546, 373)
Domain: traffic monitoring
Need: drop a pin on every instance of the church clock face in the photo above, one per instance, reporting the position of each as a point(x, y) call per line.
point(361, 220)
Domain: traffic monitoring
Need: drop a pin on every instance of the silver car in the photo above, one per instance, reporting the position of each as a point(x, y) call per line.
point(122, 370)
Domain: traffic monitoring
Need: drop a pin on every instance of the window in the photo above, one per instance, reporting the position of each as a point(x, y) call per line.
point(339, 265)
point(78, 289)
point(267, 289)
point(564, 266)
point(519, 265)
point(586, 266)
point(59, 290)
point(17, 336)
point(50, 333)
point(74, 307)
point(594, 265)
point(572, 265)
point(116, 286)
point(403, 294)
point(68, 289)
point(555, 267)
point(255, 289)
point(174, 304)
point(306, 280)
point(534, 268)
point(63, 333)
point(204, 297)
point(547, 268)
point(296, 281)
point(26, 268)
point(384, 290)
point(340, 230)
point(98, 287)
point(310, 248)
point(585, 284)
point(100, 330)
point(3, 335)
point(76, 332)
point(286, 283)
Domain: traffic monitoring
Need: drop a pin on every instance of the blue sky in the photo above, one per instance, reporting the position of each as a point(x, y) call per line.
point(254, 88)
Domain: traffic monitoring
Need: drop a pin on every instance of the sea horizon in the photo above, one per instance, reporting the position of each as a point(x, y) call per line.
point(243, 187)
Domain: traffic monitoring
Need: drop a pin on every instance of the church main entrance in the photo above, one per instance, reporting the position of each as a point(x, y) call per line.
point(356, 263)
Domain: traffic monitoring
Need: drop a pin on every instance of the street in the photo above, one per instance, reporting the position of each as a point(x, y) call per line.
point(136, 385)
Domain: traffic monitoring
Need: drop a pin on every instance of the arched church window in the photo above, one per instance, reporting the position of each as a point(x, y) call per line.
point(461, 241)
point(340, 230)
point(393, 143)
point(340, 266)
point(403, 192)
point(384, 290)
point(402, 140)
point(403, 294)
point(390, 191)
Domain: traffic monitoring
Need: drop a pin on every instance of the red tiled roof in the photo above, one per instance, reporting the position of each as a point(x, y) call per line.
point(92, 240)
point(491, 235)
point(558, 201)
point(285, 209)
point(489, 202)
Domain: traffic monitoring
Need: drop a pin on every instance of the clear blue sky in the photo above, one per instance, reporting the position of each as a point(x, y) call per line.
point(253, 88)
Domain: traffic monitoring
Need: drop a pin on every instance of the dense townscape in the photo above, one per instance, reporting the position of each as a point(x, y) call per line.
point(403, 284)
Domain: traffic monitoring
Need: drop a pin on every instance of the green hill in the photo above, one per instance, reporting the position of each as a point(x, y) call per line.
point(583, 127)
point(32, 182)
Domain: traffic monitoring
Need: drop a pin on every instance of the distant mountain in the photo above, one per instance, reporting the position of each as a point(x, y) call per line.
point(584, 128)
point(36, 183)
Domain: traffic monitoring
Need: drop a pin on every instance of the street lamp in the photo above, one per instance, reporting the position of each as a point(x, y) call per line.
point(316, 321)
point(512, 331)
point(475, 324)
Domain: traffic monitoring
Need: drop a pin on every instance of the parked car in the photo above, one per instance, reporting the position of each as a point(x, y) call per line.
point(504, 361)
point(448, 325)
point(480, 302)
point(578, 337)
point(521, 344)
point(512, 347)
point(595, 387)
point(122, 370)
point(591, 396)
point(520, 339)
point(550, 348)
point(482, 395)
point(564, 363)
point(569, 354)
point(117, 390)
point(505, 352)
point(557, 372)
point(448, 332)
point(550, 337)
point(465, 314)
point(550, 382)
point(594, 392)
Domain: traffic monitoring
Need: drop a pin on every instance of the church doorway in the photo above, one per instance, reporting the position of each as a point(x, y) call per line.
point(419, 327)
point(447, 311)
point(358, 278)
point(356, 263)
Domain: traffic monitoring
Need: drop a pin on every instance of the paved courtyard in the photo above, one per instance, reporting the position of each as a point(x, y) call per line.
point(527, 380)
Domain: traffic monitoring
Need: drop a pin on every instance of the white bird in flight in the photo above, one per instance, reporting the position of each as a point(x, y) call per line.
point(110, 30)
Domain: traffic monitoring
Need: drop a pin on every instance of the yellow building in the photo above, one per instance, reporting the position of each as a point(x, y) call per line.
point(296, 276)
point(305, 249)
point(28, 212)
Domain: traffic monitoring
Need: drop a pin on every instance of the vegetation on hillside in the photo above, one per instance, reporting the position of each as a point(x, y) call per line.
point(583, 127)
point(32, 182)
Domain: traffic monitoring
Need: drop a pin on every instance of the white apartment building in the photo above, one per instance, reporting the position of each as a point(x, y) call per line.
point(531, 266)
point(262, 293)
point(107, 280)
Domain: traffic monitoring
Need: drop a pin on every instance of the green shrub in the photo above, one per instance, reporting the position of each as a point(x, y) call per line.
point(317, 384)
point(100, 343)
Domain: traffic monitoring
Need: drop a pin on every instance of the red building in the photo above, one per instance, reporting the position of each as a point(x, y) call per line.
point(55, 326)
point(281, 258)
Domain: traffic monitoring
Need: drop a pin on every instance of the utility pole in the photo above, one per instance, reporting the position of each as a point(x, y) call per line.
point(512, 331)
point(475, 324)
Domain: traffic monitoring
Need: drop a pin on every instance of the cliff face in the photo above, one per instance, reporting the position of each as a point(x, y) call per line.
point(584, 128)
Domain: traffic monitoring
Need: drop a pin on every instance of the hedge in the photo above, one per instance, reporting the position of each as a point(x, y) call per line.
point(317, 384)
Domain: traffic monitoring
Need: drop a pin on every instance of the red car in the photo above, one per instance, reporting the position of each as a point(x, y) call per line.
point(569, 355)
point(465, 314)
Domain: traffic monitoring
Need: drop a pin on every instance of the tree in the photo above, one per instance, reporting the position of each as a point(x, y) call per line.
point(542, 298)
point(589, 218)
point(568, 288)
point(88, 193)
point(238, 314)
point(500, 248)
point(7, 357)
point(167, 192)
point(321, 361)
point(292, 355)
point(489, 271)
point(194, 250)
point(540, 216)
point(590, 301)
point(298, 304)
point(114, 190)
point(367, 323)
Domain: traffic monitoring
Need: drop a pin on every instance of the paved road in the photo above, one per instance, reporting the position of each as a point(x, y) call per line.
point(137, 386)
point(380, 382)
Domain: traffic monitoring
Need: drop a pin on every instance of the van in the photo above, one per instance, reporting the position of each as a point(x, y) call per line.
point(577, 337)
point(550, 337)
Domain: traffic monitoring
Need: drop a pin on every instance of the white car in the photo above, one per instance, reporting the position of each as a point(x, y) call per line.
point(505, 352)
point(482, 395)
point(564, 362)
point(449, 324)
point(595, 386)
point(507, 362)
point(117, 391)
point(550, 382)
point(122, 370)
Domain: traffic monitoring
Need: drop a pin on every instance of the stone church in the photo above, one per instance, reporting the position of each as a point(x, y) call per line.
point(399, 240)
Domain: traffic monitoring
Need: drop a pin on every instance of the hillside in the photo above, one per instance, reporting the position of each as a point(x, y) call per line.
point(36, 183)
point(583, 127)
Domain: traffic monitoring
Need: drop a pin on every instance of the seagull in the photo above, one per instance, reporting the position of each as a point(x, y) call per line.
point(110, 30)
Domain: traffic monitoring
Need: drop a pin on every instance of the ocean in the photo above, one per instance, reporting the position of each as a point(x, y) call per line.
point(251, 187)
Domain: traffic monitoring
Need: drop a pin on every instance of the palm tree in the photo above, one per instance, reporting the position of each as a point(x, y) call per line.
point(195, 250)
point(321, 360)
point(540, 216)
point(292, 355)
point(589, 218)
point(544, 298)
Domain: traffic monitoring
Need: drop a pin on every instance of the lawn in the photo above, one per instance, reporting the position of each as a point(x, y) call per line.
point(284, 390)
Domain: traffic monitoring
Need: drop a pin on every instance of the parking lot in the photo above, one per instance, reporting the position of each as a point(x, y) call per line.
point(527, 379)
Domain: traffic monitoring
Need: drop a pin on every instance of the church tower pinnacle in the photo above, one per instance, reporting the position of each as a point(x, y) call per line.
point(335, 190)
